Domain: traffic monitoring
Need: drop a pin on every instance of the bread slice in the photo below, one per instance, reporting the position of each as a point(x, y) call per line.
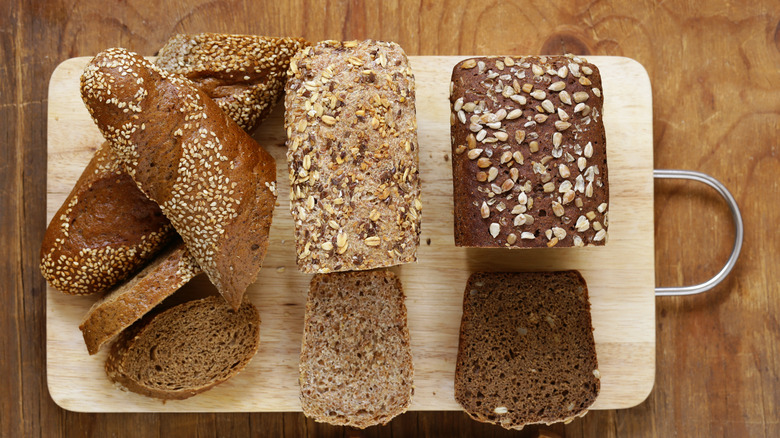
point(356, 361)
point(244, 74)
point(352, 156)
point(211, 179)
point(526, 352)
point(128, 302)
point(185, 350)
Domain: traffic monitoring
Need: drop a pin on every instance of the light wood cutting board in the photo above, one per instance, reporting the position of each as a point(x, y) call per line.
point(620, 276)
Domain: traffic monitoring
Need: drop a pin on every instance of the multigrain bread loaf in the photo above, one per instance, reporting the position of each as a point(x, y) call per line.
point(356, 362)
point(352, 156)
point(529, 157)
point(107, 228)
point(244, 74)
point(526, 353)
point(131, 300)
point(212, 181)
point(185, 350)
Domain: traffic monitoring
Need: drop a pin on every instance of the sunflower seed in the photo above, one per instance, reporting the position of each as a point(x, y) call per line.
point(538, 94)
point(519, 98)
point(562, 115)
point(474, 153)
point(601, 235)
point(518, 156)
point(548, 106)
point(557, 86)
point(581, 163)
point(557, 138)
point(537, 70)
point(514, 173)
point(518, 209)
point(522, 198)
point(501, 135)
point(585, 81)
point(484, 210)
point(557, 208)
point(563, 72)
point(507, 185)
point(492, 174)
point(587, 70)
point(564, 97)
point(494, 229)
point(589, 190)
point(481, 135)
point(519, 136)
point(596, 92)
point(561, 125)
point(519, 220)
point(602, 207)
point(588, 152)
point(563, 170)
point(581, 96)
point(472, 141)
point(469, 63)
point(483, 163)
point(514, 114)
point(469, 107)
point(458, 104)
point(527, 235)
point(540, 118)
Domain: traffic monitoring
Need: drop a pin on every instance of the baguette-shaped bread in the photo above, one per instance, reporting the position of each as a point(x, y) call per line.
point(185, 350)
point(105, 230)
point(352, 156)
point(244, 74)
point(131, 300)
point(212, 181)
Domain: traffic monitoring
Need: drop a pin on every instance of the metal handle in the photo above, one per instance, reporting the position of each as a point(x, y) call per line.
point(738, 226)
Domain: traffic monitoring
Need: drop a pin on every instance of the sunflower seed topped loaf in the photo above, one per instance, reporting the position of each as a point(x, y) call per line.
point(105, 230)
point(529, 157)
point(356, 360)
point(244, 74)
point(526, 353)
point(214, 183)
point(352, 156)
point(185, 350)
point(131, 300)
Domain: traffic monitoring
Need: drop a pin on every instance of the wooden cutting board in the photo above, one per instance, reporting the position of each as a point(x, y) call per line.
point(620, 276)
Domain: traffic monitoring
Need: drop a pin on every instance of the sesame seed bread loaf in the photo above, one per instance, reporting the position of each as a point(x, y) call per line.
point(212, 181)
point(131, 300)
point(244, 74)
point(526, 353)
point(529, 157)
point(356, 361)
point(106, 230)
point(352, 156)
point(185, 350)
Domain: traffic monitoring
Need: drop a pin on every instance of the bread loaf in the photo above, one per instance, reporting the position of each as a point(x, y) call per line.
point(211, 180)
point(529, 157)
point(244, 74)
point(131, 300)
point(352, 156)
point(526, 353)
point(185, 350)
point(107, 228)
point(356, 361)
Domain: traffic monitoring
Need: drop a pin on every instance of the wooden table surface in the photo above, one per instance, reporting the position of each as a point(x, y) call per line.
point(715, 70)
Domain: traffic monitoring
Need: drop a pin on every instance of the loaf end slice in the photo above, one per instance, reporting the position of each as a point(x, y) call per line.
point(526, 353)
point(185, 350)
point(131, 300)
point(356, 361)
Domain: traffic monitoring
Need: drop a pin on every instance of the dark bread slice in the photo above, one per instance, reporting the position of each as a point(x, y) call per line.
point(131, 300)
point(356, 361)
point(214, 183)
point(244, 74)
point(526, 353)
point(185, 350)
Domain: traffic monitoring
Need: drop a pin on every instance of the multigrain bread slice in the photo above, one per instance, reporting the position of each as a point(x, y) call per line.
point(244, 74)
point(526, 352)
point(356, 361)
point(214, 183)
point(131, 300)
point(185, 350)
point(352, 156)
point(529, 157)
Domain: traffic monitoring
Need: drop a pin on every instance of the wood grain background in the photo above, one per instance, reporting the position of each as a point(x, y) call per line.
point(715, 70)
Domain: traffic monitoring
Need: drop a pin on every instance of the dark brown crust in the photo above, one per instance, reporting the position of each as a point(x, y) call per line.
point(526, 345)
point(186, 350)
point(215, 184)
point(552, 225)
point(130, 301)
point(104, 231)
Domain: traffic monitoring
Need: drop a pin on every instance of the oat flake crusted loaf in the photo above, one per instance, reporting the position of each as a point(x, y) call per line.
point(352, 156)
point(214, 183)
point(528, 152)
point(526, 353)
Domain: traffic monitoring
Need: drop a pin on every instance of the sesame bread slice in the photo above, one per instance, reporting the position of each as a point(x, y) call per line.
point(244, 74)
point(214, 183)
point(185, 350)
point(526, 353)
point(529, 154)
point(356, 361)
point(131, 300)
point(352, 156)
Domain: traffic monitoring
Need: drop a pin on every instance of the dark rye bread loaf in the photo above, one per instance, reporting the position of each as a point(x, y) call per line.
point(185, 350)
point(244, 74)
point(526, 353)
point(529, 157)
point(131, 300)
point(356, 361)
point(107, 228)
point(352, 156)
point(212, 181)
